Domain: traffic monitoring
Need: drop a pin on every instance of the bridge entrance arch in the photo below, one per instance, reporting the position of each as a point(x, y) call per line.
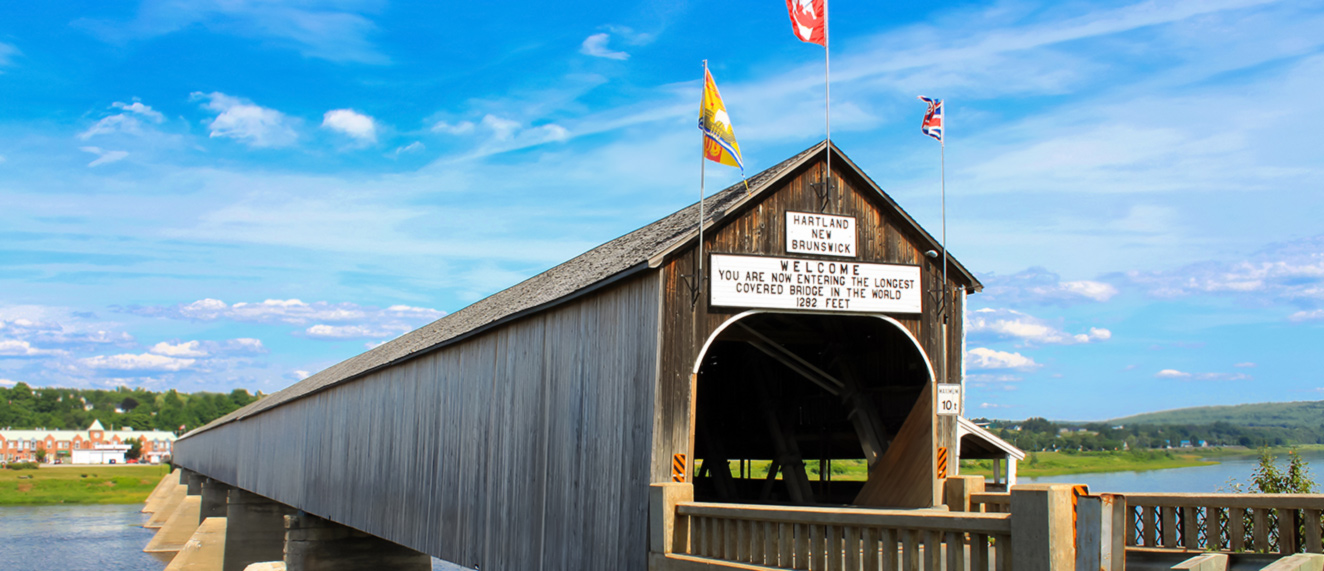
point(811, 408)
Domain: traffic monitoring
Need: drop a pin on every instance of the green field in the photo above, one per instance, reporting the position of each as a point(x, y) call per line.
point(1052, 463)
point(50, 485)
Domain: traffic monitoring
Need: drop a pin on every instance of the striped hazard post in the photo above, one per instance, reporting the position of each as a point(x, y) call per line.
point(677, 467)
point(942, 462)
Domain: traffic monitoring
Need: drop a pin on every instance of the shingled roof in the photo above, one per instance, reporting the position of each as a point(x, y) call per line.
point(619, 258)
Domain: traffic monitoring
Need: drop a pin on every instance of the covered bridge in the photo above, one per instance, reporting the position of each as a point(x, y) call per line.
point(524, 431)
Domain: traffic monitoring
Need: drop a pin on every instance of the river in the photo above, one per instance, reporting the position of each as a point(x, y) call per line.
point(1194, 480)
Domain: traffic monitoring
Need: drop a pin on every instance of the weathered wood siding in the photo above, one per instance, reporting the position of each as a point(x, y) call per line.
point(526, 447)
point(883, 237)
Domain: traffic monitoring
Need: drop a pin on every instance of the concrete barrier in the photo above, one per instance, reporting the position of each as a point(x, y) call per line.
point(162, 489)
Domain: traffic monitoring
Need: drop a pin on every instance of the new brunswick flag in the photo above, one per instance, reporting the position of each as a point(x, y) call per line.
point(719, 140)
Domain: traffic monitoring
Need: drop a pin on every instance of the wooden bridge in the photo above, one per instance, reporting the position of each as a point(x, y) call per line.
point(589, 417)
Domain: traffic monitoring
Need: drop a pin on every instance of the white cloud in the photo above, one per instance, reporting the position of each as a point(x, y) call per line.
point(138, 108)
point(103, 157)
point(336, 31)
point(414, 147)
point(596, 46)
point(17, 348)
point(1304, 315)
point(325, 320)
point(1040, 286)
point(502, 129)
point(351, 123)
point(1008, 323)
point(996, 405)
point(985, 358)
point(1245, 365)
point(186, 349)
point(142, 362)
point(301, 375)
point(246, 122)
point(323, 331)
point(7, 383)
point(129, 122)
point(461, 128)
point(1176, 374)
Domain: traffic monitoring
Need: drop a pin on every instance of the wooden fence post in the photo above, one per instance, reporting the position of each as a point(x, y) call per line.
point(1041, 528)
point(666, 532)
point(1101, 532)
point(959, 489)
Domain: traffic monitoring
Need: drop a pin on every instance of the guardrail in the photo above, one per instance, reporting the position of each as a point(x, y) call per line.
point(1281, 523)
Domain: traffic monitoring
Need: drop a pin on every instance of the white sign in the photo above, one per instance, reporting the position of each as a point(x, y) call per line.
point(820, 234)
point(787, 283)
point(949, 398)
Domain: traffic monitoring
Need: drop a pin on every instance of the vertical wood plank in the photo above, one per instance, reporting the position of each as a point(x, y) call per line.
point(1190, 528)
point(869, 549)
point(889, 540)
point(1213, 531)
point(851, 561)
point(834, 547)
point(979, 552)
point(910, 558)
point(1311, 539)
point(1236, 524)
point(1287, 531)
point(1169, 533)
point(730, 539)
point(1148, 519)
point(955, 551)
point(932, 551)
point(817, 551)
point(785, 546)
point(1260, 529)
point(801, 546)
point(1131, 525)
point(1003, 547)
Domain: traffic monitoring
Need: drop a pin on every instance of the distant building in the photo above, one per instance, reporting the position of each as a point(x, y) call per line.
point(96, 445)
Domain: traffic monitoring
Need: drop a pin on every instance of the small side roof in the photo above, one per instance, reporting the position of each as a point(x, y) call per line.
point(985, 444)
point(639, 250)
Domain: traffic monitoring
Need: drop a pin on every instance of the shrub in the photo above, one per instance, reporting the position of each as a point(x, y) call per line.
point(22, 466)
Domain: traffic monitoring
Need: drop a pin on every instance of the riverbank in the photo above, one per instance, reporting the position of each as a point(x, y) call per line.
point(1062, 463)
point(64, 484)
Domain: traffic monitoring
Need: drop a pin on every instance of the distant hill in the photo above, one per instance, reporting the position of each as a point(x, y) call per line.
point(1308, 414)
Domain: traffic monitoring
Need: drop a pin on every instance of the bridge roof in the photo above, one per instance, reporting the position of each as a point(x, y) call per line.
point(639, 250)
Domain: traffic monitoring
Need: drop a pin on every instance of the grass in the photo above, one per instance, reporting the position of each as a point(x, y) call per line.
point(1053, 463)
point(51, 485)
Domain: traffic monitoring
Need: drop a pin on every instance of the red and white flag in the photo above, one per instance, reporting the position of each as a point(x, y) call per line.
point(808, 20)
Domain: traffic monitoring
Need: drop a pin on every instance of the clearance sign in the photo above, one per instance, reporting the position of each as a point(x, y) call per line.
point(824, 285)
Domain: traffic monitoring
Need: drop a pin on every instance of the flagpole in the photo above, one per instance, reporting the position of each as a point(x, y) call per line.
point(827, 99)
point(703, 165)
point(946, 359)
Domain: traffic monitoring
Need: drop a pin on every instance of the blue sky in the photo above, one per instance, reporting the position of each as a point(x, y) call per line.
point(206, 195)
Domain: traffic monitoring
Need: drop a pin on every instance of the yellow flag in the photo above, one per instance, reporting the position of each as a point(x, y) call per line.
point(719, 140)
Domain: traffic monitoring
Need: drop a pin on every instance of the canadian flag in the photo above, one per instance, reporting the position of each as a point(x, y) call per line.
point(808, 20)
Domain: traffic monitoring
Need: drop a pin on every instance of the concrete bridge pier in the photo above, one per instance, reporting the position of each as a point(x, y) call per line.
point(215, 499)
point(193, 480)
point(255, 529)
point(316, 544)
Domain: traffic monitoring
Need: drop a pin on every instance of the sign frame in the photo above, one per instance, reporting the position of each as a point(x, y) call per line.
point(854, 235)
point(948, 402)
point(711, 267)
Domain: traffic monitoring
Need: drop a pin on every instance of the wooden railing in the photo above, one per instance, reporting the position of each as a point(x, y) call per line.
point(846, 539)
point(1281, 523)
point(991, 502)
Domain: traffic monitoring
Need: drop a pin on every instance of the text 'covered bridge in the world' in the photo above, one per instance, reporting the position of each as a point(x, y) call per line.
point(531, 429)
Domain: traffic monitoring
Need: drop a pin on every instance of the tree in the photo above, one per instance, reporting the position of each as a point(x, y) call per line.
point(135, 450)
point(41, 454)
point(1268, 478)
point(128, 404)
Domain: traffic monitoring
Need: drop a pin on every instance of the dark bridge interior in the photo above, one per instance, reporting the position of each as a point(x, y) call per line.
point(800, 390)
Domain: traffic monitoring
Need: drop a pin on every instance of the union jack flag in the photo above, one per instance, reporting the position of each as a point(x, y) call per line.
point(933, 118)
